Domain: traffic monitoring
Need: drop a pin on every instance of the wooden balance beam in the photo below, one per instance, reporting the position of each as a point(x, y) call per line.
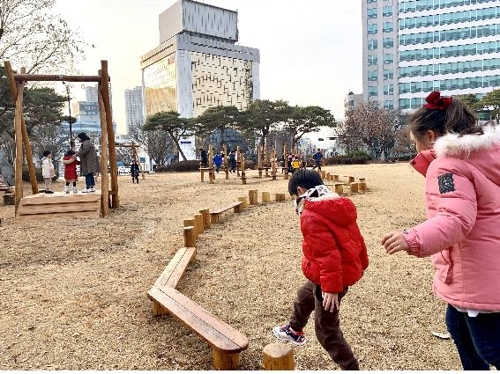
point(216, 214)
point(225, 341)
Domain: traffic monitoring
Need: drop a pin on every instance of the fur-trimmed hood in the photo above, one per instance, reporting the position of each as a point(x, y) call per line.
point(463, 147)
point(480, 151)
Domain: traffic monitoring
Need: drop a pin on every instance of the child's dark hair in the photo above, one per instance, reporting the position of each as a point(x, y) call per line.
point(456, 118)
point(70, 152)
point(46, 153)
point(303, 178)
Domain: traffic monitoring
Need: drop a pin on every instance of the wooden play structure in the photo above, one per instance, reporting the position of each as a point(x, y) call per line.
point(226, 342)
point(62, 205)
point(345, 184)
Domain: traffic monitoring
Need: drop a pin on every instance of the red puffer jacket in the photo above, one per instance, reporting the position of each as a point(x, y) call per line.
point(335, 254)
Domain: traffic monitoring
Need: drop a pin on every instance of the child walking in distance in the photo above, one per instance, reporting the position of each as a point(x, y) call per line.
point(70, 176)
point(134, 171)
point(48, 171)
point(461, 164)
point(334, 258)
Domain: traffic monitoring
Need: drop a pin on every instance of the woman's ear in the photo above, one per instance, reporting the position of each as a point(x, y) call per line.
point(430, 137)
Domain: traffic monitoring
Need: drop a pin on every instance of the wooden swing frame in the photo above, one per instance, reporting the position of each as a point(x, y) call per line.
point(109, 198)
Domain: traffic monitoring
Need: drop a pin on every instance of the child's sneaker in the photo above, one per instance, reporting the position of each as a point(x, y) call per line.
point(285, 334)
point(66, 189)
point(75, 190)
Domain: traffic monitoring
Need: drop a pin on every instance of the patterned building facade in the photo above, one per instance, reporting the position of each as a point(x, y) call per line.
point(198, 63)
point(411, 47)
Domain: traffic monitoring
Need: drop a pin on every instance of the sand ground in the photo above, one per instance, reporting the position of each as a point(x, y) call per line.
point(73, 292)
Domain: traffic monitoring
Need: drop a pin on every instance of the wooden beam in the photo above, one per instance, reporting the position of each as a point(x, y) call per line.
point(104, 157)
point(19, 146)
point(57, 78)
point(115, 203)
point(24, 132)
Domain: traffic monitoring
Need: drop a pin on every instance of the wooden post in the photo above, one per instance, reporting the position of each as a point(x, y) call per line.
point(252, 197)
point(266, 197)
point(189, 236)
point(104, 154)
point(244, 202)
point(18, 171)
point(280, 197)
point(226, 161)
point(238, 160)
point(191, 222)
point(115, 202)
point(259, 160)
point(225, 361)
point(339, 188)
point(350, 179)
point(206, 218)
point(335, 177)
point(278, 356)
point(200, 227)
point(29, 155)
point(362, 185)
point(211, 173)
point(243, 179)
point(273, 164)
point(354, 187)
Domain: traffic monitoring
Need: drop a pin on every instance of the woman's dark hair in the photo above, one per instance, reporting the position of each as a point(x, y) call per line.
point(304, 178)
point(82, 136)
point(457, 118)
point(46, 153)
point(70, 152)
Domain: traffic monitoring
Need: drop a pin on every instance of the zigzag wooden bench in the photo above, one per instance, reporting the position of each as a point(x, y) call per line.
point(215, 214)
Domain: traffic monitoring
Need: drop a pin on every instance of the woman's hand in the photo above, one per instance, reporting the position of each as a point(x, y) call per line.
point(330, 301)
point(394, 242)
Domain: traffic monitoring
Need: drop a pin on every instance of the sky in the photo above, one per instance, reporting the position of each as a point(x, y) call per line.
point(310, 51)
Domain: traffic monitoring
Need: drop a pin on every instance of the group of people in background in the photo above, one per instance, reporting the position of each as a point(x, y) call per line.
point(86, 157)
point(218, 160)
point(299, 161)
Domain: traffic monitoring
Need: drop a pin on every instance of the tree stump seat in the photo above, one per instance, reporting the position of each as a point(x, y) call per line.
point(225, 341)
point(216, 214)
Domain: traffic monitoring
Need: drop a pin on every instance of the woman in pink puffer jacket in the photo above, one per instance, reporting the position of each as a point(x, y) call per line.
point(461, 165)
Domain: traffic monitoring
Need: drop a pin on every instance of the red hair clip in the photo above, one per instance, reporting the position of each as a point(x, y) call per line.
point(436, 101)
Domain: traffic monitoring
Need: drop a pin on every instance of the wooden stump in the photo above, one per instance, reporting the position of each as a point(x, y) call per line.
point(286, 176)
point(278, 356)
point(354, 187)
point(8, 199)
point(362, 185)
point(198, 220)
point(280, 197)
point(207, 222)
point(189, 236)
point(252, 197)
point(266, 197)
point(335, 177)
point(191, 222)
point(225, 361)
point(244, 202)
point(339, 188)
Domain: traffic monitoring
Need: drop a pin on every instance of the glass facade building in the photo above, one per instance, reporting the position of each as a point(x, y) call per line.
point(411, 47)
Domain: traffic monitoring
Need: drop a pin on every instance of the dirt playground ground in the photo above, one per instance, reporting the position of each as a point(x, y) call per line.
point(73, 292)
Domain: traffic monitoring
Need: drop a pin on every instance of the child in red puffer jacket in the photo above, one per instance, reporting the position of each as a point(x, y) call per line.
point(335, 257)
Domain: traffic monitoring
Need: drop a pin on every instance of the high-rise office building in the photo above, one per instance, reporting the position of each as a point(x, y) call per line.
point(91, 94)
point(133, 108)
point(412, 47)
point(198, 63)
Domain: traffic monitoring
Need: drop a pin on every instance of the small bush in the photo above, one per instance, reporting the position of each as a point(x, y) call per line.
point(249, 164)
point(189, 165)
point(355, 154)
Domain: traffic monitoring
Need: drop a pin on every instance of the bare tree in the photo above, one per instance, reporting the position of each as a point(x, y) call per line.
point(33, 36)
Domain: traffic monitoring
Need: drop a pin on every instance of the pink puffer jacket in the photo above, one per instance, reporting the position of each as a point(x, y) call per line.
point(462, 232)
